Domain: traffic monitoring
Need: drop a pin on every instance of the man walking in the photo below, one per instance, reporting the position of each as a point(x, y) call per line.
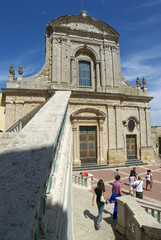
point(138, 185)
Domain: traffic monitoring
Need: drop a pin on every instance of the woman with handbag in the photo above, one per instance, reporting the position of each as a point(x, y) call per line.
point(99, 193)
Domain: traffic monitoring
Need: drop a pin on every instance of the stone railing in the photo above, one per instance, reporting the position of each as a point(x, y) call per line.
point(21, 123)
point(37, 169)
point(81, 180)
point(134, 222)
point(151, 208)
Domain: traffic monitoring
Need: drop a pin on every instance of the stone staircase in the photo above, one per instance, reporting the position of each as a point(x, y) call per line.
point(95, 166)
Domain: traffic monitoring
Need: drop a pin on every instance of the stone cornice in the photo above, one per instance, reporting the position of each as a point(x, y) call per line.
point(112, 96)
point(28, 92)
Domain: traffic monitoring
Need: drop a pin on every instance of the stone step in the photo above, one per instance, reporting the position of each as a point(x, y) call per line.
point(95, 166)
point(134, 162)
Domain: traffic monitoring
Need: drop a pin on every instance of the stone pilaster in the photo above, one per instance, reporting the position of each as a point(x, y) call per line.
point(63, 61)
point(119, 137)
point(142, 127)
point(73, 75)
point(54, 61)
point(76, 157)
point(116, 66)
point(100, 157)
point(98, 74)
point(102, 67)
point(148, 127)
point(111, 127)
point(108, 64)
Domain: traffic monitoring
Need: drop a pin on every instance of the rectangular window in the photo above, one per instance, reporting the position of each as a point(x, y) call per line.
point(84, 74)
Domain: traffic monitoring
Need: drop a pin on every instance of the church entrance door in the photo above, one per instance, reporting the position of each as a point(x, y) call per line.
point(88, 143)
point(131, 146)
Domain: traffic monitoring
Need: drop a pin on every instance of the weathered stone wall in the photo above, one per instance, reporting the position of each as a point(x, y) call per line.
point(112, 129)
point(156, 133)
point(5, 139)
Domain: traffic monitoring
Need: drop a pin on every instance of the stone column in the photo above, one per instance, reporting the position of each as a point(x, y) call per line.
point(119, 137)
point(98, 74)
point(142, 127)
point(148, 127)
point(76, 155)
point(73, 77)
point(68, 49)
point(111, 127)
point(100, 157)
point(116, 66)
point(54, 61)
point(63, 61)
point(102, 67)
point(108, 63)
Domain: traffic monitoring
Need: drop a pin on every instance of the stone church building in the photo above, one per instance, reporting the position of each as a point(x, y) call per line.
point(110, 118)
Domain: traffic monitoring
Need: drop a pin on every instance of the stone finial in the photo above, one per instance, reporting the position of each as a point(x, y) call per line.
point(20, 70)
point(83, 13)
point(12, 73)
point(138, 82)
point(144, 88)
point(144, 82)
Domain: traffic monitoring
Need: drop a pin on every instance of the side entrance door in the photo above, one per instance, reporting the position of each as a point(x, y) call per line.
point(131, 146)
point(88, 143)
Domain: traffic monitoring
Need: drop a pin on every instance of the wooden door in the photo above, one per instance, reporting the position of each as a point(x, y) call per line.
point(131, 146)
point(87, 138)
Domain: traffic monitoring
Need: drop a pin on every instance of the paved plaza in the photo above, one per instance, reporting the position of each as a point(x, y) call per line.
point(84, 214)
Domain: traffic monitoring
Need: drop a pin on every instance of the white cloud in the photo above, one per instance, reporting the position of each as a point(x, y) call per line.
point(150, 4)
point(147, 4)
point(143, 63)
point(147, 63)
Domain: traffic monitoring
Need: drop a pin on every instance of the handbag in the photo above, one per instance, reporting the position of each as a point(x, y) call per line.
point(102, 199)
point(135, 186)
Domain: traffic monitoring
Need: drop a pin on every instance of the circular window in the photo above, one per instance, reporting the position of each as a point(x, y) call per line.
point(131, 125)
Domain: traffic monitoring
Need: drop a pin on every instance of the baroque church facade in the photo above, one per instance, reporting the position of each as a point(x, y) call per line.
point(110, 118)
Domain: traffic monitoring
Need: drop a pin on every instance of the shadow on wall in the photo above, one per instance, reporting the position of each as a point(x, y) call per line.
point(25, 176)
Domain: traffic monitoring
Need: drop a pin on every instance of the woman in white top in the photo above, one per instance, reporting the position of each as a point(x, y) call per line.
point(132, 179)
point(149, 180)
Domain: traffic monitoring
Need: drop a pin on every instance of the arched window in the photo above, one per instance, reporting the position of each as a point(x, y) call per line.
point(84, 73)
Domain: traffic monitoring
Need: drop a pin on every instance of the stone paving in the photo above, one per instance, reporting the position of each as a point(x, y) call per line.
point(84, 214)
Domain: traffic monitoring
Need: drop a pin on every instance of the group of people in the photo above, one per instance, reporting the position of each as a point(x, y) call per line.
point(136, 184)
point(135, 187)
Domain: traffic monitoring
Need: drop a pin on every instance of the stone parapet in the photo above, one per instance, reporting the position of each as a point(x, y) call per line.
point(134, 222)
point(28, 167)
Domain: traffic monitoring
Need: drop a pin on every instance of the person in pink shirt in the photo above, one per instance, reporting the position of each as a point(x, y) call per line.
point(116, 192)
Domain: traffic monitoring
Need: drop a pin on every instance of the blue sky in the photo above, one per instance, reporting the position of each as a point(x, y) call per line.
point(23, 23)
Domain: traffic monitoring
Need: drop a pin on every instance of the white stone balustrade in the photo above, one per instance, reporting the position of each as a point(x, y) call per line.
point(134, 222)
point(82, 180)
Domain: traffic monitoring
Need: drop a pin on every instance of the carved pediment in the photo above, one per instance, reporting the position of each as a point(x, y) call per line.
point(88, 113)
point(76, 23)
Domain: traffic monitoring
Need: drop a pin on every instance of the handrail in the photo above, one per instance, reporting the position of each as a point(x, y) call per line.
point(21, 123)
point(134, 222)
